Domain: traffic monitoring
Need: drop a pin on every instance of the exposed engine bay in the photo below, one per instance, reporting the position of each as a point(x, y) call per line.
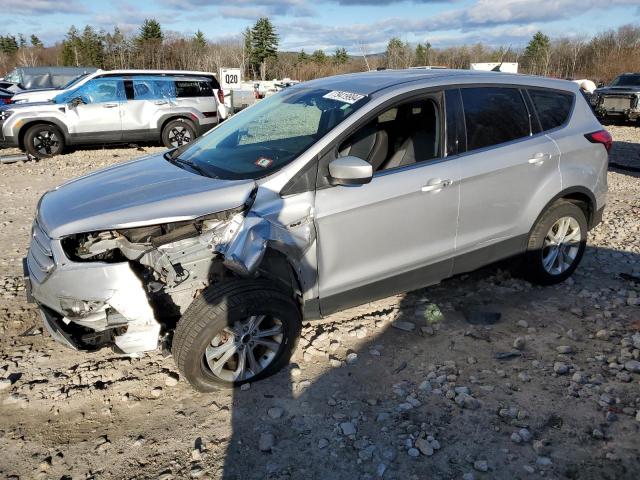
point(174, 262)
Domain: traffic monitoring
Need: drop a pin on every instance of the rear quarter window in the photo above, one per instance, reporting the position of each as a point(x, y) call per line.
point(494, 115)
point(553, 107)
point(193, 88)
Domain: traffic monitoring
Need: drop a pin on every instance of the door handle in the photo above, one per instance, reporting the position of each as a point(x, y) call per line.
point(435, 185)
point(109, 105)
point(539, 158)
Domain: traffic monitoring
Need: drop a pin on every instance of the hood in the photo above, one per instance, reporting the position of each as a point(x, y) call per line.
point(626, 89)
point(147, 191)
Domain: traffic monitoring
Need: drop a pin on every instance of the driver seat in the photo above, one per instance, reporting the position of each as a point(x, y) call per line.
point(370, 143)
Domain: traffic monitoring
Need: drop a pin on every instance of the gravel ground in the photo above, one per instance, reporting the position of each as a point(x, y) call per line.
point(411, 387)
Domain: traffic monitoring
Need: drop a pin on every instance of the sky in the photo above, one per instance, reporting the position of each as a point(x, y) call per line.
point(328, 24)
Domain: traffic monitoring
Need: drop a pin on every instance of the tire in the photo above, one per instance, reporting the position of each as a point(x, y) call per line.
point(178, 132)
point(204, 330)
point(44, 141)
point(540, 266)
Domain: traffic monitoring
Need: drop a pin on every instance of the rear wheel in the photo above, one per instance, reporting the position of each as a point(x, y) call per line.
point(234, 333)
point(178, 132)
point(556, 244)
point(43, 141)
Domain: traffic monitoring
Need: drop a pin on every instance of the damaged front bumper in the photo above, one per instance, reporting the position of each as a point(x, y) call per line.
point(86, 305)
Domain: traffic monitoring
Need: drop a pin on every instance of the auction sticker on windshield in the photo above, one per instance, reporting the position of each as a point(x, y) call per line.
point(346, 97)
point(264, 162)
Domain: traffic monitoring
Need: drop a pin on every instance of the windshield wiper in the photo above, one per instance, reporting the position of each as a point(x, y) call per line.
point(191, 165)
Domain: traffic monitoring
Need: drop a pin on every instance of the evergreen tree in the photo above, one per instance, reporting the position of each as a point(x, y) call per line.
point(150, 30)
point(92, 48)
point(199, 40)
point(422, 54)
point(22, 41)
point(8, 44)
point(397, 53)
point(264, 44)
point(341, 56)
point(303, 57)
point(70, 47)
point(35, 42)
point(536, 53)
point(319, 57)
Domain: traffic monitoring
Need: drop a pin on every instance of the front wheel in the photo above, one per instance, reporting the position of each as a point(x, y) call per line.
point(234, 333)
point(556, 244)
point(43, 141)
point(178, 132)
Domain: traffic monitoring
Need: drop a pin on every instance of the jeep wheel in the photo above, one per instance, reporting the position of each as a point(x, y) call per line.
point(556, 244)
point(43, 141)
point(234, 333)
point(178, 132)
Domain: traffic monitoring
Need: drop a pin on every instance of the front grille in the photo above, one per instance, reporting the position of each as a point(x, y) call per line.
point(616, 103)
point(40, 257)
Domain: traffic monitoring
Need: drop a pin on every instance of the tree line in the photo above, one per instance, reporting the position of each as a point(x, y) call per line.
point(599, 58)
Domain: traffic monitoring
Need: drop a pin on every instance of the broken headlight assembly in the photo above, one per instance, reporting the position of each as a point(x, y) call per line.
point(73, 307)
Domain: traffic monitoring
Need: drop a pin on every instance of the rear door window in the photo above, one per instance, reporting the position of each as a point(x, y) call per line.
point(193, 88)
point(553, 107)
point(494, 115)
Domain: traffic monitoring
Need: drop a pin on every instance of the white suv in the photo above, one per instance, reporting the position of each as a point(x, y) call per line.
point(114, 108)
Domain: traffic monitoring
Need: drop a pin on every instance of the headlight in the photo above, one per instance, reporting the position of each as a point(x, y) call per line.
point(4, 114)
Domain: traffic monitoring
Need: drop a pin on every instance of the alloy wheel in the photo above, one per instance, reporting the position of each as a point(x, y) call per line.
point(241, 351)
point(561, 245)
point(178, 136)
point(46, 142)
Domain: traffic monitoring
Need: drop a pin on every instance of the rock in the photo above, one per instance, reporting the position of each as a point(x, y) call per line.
point(405, 326)
point(529, 469)
point(245, 386)
point(564, 349)
point(543, 461)
point(389, 454)
point(519, 343)
point(5, 383)
point(579, 377)
point(266, 442)
point(597, 433)
point(296, 372)
point(348, 428)
point(433, 314)
point(196, 471)
point(603, 334)
point(351, 358)
point(156, 392)
point(323, 443)
point(515, 438)
point(632, 366)
point(560, 368)
point(525, 435)
point(541, 447)
point(424, 446)
point(481, 465)
point(413, 452)
point(523, 324)
point(171, 380)
point(524, 377)
point(468, 476)
point(275, 412)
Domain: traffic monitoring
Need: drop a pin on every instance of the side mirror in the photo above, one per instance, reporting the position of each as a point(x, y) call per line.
point(74, 102)
point(350, 171)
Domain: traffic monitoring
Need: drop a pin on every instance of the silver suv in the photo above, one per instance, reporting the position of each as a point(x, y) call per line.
point(329, 194)
point(115, 108)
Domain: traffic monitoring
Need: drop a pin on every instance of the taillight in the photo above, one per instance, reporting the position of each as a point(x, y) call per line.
point(601, 136)
point(5, 101)
point(221, 95)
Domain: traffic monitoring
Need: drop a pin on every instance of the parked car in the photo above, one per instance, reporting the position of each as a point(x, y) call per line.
point(114, 109)
point(329, 194)
point(620, 100)
point(45, 95)
point(29, 78)
point(5, 96)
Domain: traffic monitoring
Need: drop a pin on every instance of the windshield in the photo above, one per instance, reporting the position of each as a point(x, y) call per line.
point(270, 134)
point(73, 82)
point(627, 81)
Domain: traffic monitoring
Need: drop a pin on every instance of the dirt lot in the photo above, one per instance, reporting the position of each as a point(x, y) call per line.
point(387, 390)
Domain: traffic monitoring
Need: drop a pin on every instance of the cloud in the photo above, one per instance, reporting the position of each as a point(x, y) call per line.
point(42, 7)
point(243, 8)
